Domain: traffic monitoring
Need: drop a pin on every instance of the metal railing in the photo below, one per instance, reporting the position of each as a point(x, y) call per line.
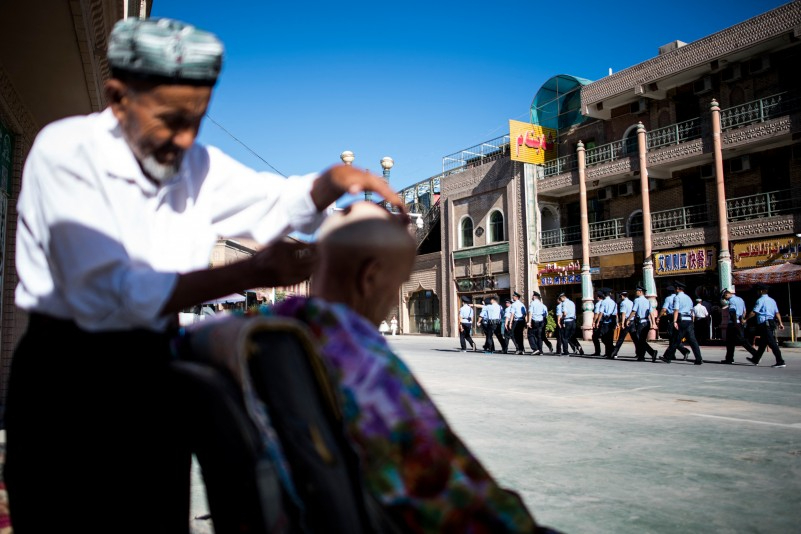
point(609, 229)
point(559, 165)
point(476, 155)
point(759, 110)
point(674, 134)
point(608, 152)
point(680, 218)
point(763, 205)
point(560, 236)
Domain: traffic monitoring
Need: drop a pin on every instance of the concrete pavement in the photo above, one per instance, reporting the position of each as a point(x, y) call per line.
point(597, 446)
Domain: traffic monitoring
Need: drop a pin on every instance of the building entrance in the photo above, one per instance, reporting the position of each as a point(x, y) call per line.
point(424, 313)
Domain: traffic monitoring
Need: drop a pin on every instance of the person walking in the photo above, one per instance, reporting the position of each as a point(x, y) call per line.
point(607, 324)
point(683, 324)
point(767, 313)
point(735, 331)
point(518, 323)
point(596, 323)
point(702, 322)
point(568, 327)
point(537, 313)
point(118, 214)
point(508, 314)
point(466, 324)
point(490, 318)
point(667, 313)
point(627, 327)
point(393, 325)
point(558, 329)
point(642, 320)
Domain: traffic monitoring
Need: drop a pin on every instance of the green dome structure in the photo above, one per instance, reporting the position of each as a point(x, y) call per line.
point(557, 104)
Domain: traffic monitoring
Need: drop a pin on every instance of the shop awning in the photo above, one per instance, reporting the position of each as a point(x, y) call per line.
point(770, 274)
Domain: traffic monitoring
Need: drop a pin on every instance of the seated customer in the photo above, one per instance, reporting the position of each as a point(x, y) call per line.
point(412, 461)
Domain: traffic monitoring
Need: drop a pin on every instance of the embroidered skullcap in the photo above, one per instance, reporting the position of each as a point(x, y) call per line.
point(165, 50)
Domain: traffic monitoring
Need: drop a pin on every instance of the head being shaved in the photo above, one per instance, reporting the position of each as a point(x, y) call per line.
point(366, 253)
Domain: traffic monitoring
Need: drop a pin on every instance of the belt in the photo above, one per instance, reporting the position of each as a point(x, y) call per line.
point(568, 320)
point(467, 322)
point(643, 320)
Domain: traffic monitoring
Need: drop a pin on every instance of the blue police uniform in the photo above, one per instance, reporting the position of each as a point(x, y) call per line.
point(641, 324)
point(466, 324)
point(491, 319)
point(608, 320)
point(735, 330)
point(536, 327)
point(625, 326)
point(518, 324)
point(568, 331)
point(683, 326)
point(766, 310)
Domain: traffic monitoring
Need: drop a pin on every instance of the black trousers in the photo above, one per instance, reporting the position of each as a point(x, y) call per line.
point(596, 340)
point(493, 330)
point(518, 326)
point(464, 336)
point(673, 333)
point(103, 417)
point(640, 337)
point(767, 338)
point(629, 329)
point(607, 335)
point(735, 335)
point(544, 338)
point(558, 335)
point(568, 332)
point(535, 335)
point(685, 331)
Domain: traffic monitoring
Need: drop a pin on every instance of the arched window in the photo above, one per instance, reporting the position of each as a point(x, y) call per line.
point(466, 234)
point(496, 227)
point(634, 225)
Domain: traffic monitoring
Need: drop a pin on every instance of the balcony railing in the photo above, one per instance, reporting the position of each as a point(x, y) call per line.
point(559, 165)
point(759, 110)
point(680, 218)
point(560, 236)
point(609, 229)
point(674, 134)
point(476, 155)
point(763, 205)
point(608, 152)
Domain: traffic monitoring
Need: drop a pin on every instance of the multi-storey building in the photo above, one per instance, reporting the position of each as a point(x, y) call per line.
point(686, 166)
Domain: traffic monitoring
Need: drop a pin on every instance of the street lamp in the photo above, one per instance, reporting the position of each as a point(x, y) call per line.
point(386, 164)
point(347, 157)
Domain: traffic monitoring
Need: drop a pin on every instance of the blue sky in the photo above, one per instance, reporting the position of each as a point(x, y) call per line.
point(303, 81)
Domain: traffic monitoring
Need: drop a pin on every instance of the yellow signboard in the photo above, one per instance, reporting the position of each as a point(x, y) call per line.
point(761, 252)
point(531, 143)
point(685, 261)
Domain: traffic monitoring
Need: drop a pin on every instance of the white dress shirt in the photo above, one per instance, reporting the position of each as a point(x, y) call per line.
point(99, 243)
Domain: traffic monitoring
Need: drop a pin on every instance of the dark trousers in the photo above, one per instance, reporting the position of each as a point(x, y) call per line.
point(558, 334)
point(493, 330)
point(544, 338)
point(596, 340)
point(568, 332)
point(685, 331)
point(104, 415)
point(631, 330)
point(518, 326)
point(640, 337)
point(464, 336)
point(767, 338)
point(535, 335)
point(607, 335)
point(673, 333)
point(735, 335)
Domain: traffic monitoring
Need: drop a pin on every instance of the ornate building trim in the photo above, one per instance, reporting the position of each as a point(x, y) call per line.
point(560, 181)
point(743, 136)
point(676, 152)
point(15, 114)
point(611, 246)
point(614, 168)
point(567, 252)
point(683, 238)
point(696, 54)
point(771, 226)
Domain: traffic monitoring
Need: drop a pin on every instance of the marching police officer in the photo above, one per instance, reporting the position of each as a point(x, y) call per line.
point(735, 330)
point(683, 325)
point(768, 315)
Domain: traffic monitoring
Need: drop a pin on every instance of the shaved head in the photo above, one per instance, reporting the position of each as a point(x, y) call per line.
point(366, 253)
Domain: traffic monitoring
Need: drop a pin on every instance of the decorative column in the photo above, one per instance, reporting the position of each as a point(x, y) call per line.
point(724, 258)
point(645, 190)
point(586, 281)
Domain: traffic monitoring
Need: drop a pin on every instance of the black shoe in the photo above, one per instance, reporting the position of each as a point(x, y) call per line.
point(520, 353)
point(537, 353)
point(727, 361)
point(752, 360)
point(565, 354)
point(581, 351)
point(664, 359)
point(595, 354)
point(698, 362)
point(779, 365)
point(640, 359)
point(654, 355)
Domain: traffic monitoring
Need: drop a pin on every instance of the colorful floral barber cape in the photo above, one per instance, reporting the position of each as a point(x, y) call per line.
point(412, 461)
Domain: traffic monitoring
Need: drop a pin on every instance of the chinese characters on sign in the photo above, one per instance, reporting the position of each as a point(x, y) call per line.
point(763, 252)
point(560, 272)
point(685, 261)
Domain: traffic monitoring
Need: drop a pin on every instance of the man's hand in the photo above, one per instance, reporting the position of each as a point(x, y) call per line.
point(340, 179)
point(284, 262)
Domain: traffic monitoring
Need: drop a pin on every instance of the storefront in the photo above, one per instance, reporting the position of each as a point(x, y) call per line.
point(557, 277)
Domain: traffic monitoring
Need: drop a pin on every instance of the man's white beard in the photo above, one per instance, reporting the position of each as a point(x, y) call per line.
point(161, 172)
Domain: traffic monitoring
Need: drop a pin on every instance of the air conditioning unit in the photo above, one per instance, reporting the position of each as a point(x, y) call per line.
point(640, 106)
point(702, 85)
point(625, 189)
point(759, 64)
point(605, 193)
point(706, 171)
point(743, 163)
point(730, 73)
